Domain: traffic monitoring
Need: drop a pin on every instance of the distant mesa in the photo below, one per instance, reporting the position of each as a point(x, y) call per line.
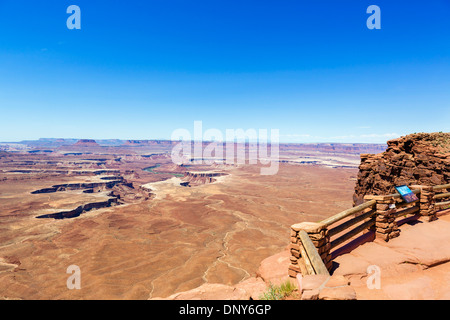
point(87, 143)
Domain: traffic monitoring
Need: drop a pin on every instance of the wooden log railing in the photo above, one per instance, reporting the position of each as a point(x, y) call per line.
point(312, 256)
point(311, 243)
point(349, 223)
point(441, 186)
point(408, 211)
point(442, 196)
point(443, 204)
point(333, 219)
point(365, 226)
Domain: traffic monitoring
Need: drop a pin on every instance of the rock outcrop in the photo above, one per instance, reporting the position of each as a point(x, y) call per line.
point(80, 209)
point(325, 287)
point(199, 178)
point(419, 158)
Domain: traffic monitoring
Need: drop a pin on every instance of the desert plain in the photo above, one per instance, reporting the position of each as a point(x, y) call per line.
point(139, 226)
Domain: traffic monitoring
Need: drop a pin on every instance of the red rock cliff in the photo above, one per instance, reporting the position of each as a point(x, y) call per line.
point(420, 158)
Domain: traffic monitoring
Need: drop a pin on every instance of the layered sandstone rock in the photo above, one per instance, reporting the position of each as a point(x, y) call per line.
point(325, 287)
point(199, 178)
point(415, 159)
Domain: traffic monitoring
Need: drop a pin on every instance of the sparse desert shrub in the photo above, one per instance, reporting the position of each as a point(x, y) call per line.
point(278, 292)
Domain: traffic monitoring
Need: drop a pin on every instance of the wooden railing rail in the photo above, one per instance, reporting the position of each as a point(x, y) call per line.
point(442, 196)
point(337, 217)
point(442, 186)
point(312, 255)
point(349, 223)
point(366, 225)
point(393, 195)
point(407, 211)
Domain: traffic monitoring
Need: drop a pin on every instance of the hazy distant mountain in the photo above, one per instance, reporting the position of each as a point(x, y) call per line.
point(58, 142)
point(351, 148)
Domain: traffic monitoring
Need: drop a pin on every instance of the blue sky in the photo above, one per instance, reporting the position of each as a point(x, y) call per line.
point(142, 69)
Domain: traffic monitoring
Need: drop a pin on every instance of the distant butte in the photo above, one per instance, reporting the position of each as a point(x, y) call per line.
point(87, 143)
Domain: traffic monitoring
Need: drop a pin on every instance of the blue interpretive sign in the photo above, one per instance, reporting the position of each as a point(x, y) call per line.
point(406, 194)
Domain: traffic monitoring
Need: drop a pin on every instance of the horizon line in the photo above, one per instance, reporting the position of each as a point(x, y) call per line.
point(192, 140)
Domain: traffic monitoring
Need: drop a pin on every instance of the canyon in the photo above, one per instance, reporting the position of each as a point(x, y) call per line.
point(139, 226)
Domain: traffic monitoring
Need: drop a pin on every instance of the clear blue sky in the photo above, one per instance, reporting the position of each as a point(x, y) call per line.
point(141, 69)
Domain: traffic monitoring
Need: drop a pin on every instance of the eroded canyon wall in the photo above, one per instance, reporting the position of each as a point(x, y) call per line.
point(419, 158)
